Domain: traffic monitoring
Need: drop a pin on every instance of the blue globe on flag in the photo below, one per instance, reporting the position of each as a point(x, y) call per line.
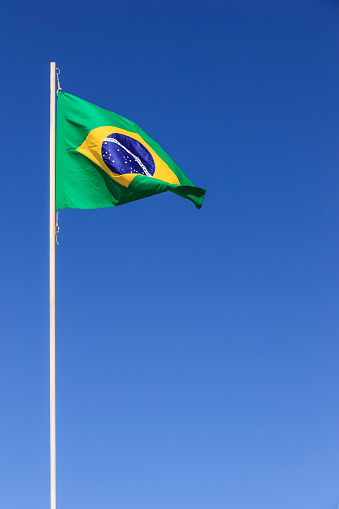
point(123, 154)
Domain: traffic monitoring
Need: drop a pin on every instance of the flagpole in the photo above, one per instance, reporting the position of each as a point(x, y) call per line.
point(52, 287)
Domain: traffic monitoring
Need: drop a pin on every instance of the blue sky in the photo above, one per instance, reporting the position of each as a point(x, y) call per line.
point(197, 351)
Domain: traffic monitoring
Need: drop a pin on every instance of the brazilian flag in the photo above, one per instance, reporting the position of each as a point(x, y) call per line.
point(103, 160)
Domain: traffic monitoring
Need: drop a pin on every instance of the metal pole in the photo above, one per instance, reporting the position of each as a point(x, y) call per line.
point(52, 286)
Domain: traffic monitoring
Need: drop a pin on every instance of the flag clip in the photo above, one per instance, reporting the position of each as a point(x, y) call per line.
point(57, 72)
point(57, 229)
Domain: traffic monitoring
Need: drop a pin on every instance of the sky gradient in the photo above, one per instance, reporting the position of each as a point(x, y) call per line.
point(197, 350)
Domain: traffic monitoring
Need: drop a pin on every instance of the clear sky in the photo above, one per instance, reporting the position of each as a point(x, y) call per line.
point(197, 350)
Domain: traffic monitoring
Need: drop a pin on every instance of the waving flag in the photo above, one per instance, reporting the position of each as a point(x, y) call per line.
point(103, 160)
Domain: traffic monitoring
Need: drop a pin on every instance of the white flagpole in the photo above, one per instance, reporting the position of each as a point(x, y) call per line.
point(52, 286)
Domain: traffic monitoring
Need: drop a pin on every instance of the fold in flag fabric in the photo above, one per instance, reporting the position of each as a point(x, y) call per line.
point(103, 160)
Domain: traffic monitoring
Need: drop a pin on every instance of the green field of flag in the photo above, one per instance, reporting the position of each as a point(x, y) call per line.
point(103, 160)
